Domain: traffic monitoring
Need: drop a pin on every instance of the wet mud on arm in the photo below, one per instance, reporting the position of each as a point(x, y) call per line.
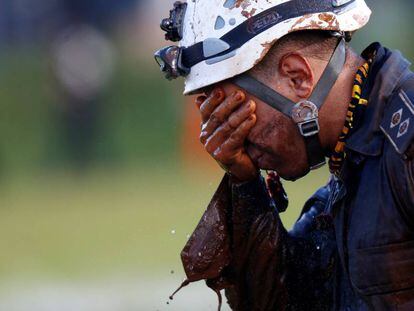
point(240, 245)
point(272, 269)
point(259, 249)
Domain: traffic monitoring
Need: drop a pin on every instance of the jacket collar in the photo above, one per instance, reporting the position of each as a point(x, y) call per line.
point(387, 71)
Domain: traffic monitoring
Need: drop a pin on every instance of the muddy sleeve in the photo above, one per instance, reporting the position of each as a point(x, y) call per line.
point(271, 269)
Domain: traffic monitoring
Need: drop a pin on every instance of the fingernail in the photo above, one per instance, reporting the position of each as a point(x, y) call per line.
point(238, 96)
point(200, 100)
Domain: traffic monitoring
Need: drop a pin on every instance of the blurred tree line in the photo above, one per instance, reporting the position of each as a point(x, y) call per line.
point(58, 107)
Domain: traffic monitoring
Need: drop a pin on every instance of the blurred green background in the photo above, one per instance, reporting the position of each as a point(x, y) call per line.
point(97, 193)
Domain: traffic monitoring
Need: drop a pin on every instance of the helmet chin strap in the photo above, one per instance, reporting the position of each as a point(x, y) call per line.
point(304, 113)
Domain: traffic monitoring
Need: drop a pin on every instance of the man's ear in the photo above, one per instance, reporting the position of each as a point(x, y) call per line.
point(298, 72)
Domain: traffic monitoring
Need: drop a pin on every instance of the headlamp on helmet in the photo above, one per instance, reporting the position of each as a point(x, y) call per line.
point(169, 60)
point(173, 26)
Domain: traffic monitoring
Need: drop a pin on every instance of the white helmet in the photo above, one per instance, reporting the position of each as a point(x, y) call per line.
point(223, 39)
point(220, 39)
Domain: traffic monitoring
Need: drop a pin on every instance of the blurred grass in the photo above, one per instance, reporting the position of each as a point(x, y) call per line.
point(133, 222)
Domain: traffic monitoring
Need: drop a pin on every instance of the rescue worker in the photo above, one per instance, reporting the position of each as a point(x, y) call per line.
point(281, 90)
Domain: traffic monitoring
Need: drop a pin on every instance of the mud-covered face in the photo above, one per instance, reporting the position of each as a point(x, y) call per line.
point(275, 142)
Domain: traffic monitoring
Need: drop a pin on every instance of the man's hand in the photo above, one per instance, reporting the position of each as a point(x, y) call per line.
point(226, 122)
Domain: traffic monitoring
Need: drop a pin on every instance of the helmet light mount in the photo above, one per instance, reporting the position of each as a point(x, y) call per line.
point(170, 58)
point(173, 25)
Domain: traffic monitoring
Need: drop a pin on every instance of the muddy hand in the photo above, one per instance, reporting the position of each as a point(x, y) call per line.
point(226, 122)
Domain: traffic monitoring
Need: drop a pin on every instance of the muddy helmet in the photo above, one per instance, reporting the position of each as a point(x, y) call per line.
point(223, 39)
point(219, 39)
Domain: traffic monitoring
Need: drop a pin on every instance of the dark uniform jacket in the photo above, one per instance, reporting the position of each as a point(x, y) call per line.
point(353, 246)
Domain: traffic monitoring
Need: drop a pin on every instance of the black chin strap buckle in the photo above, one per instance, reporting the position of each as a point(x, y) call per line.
point(305, 114)
point(309, 128)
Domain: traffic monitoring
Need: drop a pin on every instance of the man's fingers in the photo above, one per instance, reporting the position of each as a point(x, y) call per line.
point(221, 134)
point(208, 106)
point(241, 114)
point(200, 100)
point(223, 111)
point(238, 137)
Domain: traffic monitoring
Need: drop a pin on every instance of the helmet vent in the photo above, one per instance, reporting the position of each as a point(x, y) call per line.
point(220, 23)
point(229, 4)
